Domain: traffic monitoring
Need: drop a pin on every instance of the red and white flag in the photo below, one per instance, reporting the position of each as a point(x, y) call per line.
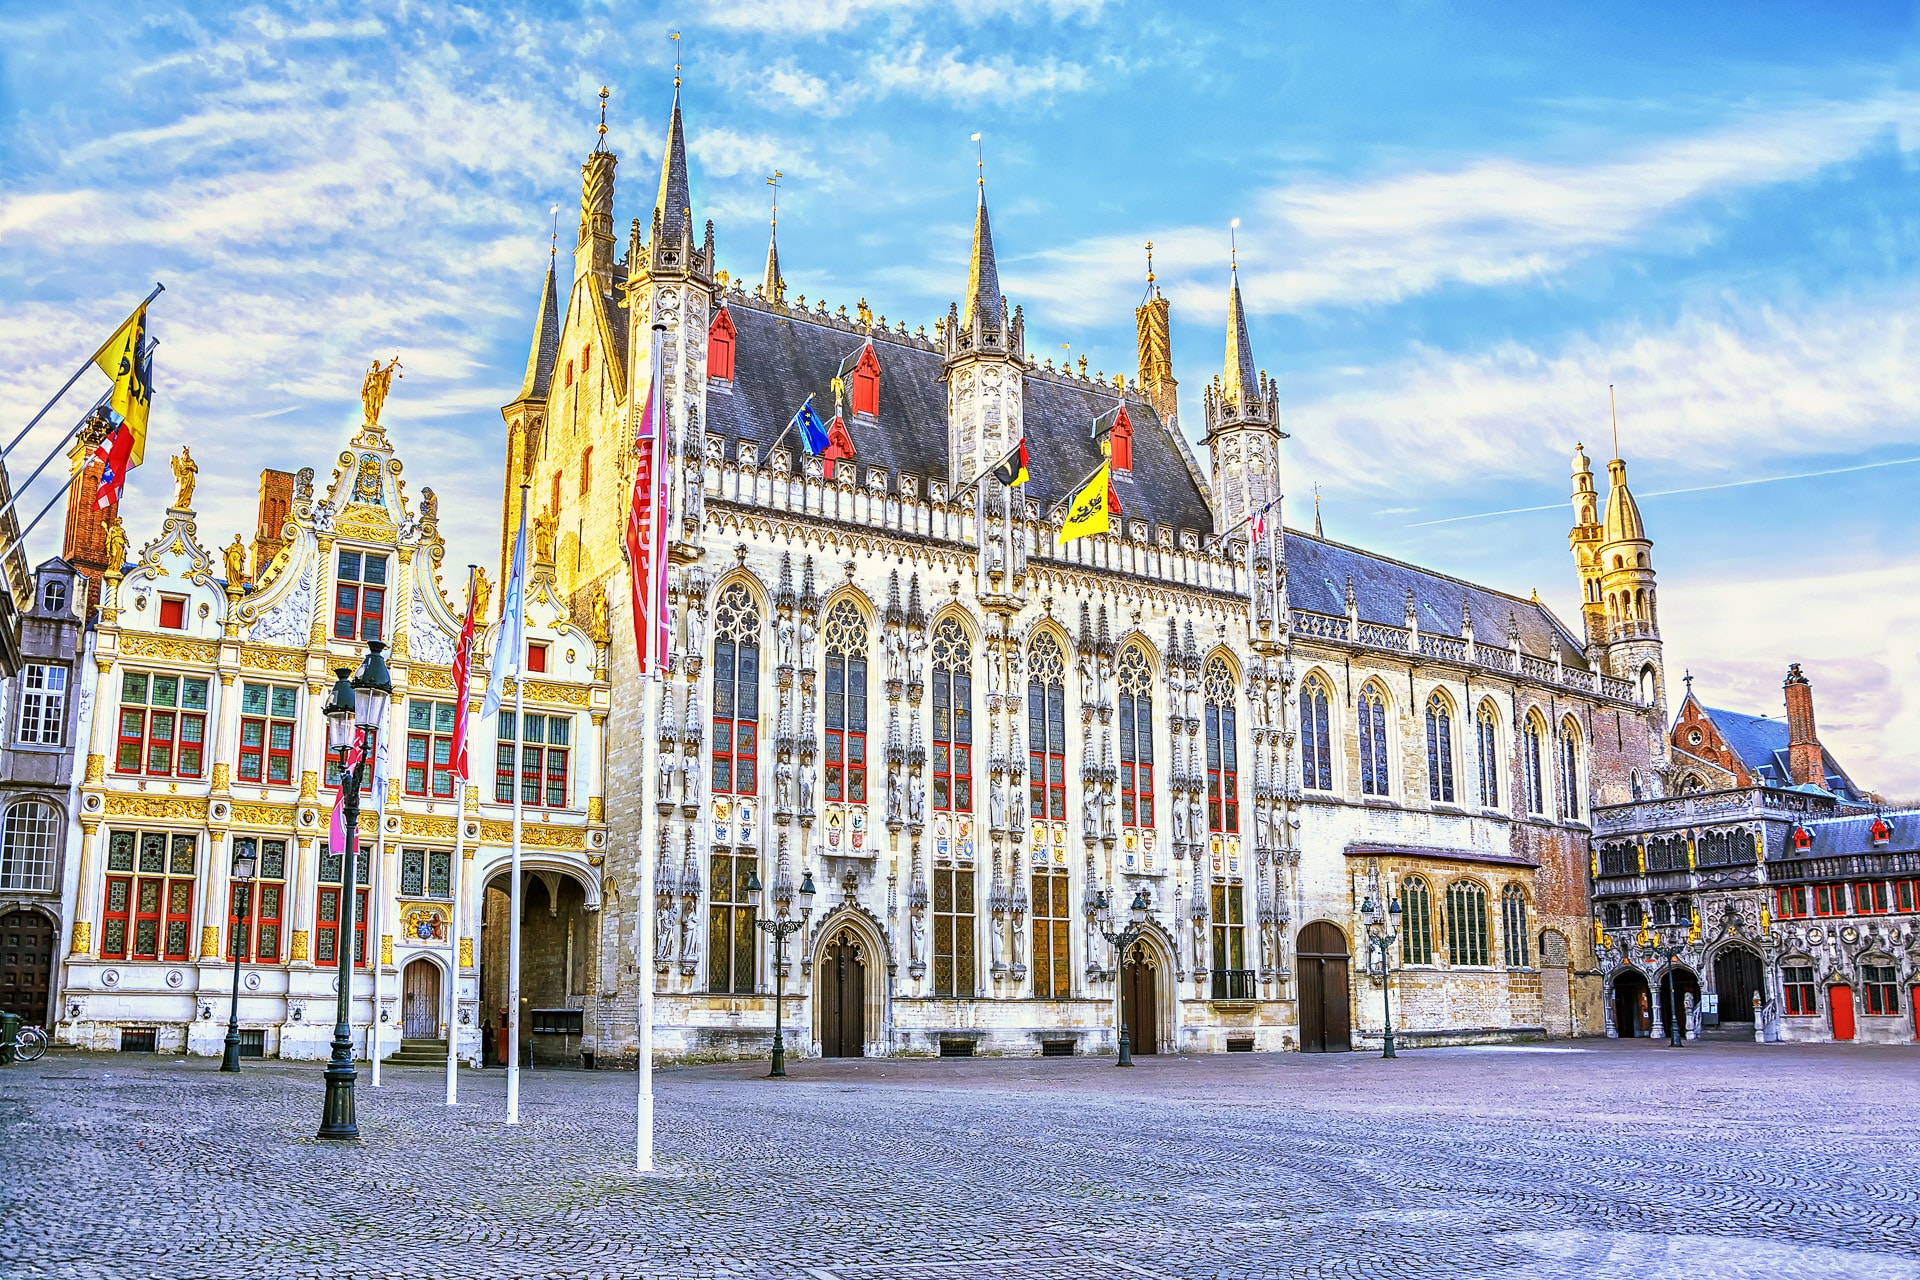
point(647, 535)
point(462, 668)
point(350, 759)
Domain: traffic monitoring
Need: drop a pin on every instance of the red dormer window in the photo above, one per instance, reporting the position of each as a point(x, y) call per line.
point(1802, 839)
point(1882, 832)
point(1121, 437)
point(720, 339)
point(866, 384)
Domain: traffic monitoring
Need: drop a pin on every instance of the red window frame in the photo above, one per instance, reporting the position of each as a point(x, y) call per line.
point(536, 657)
point(1223, 770)
point(173, 613)
point(1830, 899)
point(1136, 760)
point(166, 741)
point(846, 728)
point(1790, 902)
point(1870, 898)
point(165, 903)
point(266, 740)
point(359, 596)
point(114, 941)
point(1906, 893)
point(266, 905)
point(1802, 995)
point(429, 765)
point(721, 337)
point(326, 927)
point(1047, 751)
point(866, 384)
point(736, 717)
point(1882, 997)
point(952, 741)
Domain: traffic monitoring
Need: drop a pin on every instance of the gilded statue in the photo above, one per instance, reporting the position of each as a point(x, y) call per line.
point(236, 555)
point(186, 473)
point(544, 525)
point(373, 391)
point(482, 590)
point(116, 545)
point(601, 632)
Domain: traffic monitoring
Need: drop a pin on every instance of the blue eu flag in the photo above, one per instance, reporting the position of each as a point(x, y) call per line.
point(813, 432)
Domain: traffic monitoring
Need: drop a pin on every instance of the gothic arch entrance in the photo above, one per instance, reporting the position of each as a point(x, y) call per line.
point(1140, 995)
point(840, 983)
point(1632, 1005)
point(1673, 1000)
point(1325, 1017)
point(420, 1000)
point(1736, 980)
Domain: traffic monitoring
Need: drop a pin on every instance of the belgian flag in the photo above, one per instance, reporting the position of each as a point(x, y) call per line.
point(1012, 469)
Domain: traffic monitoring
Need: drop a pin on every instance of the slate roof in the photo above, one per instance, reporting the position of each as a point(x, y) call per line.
point(1761, 744)
point(1317, 573)
point(545, 347)
point(1854, 834)
point(780, 358)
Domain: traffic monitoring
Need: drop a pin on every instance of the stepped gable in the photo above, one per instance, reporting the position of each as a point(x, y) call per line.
point(782, 357)
point(1317, 573)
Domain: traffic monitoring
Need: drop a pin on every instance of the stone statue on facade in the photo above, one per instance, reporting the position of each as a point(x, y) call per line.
point(545, 525)
point(997, 804)
point(600, 630)
point(1018, 933)
point(663, 929)
point(186, 474)
point(916, 650)
point(809, 635)
point(893, 797)
point(696, 632)
point(116, 545)
point(482, 592)
point(916, 803)
point(1086, 680)
point(806, 786)
point(690, 779)
point(1090, 812)
point(666, 778)
point(917, 939)
point(783, 784)
point(895, 653)
point(784, 636)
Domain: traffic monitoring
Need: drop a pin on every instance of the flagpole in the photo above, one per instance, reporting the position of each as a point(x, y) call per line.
point(376, 885)
point(158, 289)
point(13, 498)
point(643, 1103)
point(459, 860)
point(519, 757)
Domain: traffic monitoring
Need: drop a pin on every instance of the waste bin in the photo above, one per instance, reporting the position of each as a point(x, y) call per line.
point(9, 1036)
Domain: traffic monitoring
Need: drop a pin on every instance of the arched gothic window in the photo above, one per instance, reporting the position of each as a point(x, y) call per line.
point(1136, 738)
point(1416, 921)
point(26, 852)
point(846, 636)
point(1046, 730)
point(1532, 748)
point(736, 693)
point(1223, 761)
point(1513, 926)
point(1316, 737)
point(1439, 750)
point(952, 718)
point(1566, 782)
point(1466, 923)
point(1487, 741)
point(1372, 724)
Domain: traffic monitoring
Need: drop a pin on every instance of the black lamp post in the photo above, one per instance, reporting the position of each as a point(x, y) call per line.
point(1120, 940)
point(1666, 943)
point(1383, 927)
point(237, 936)
point(357, 704)
point(779, 930)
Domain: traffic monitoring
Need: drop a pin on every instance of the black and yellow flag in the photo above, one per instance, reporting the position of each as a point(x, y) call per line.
point(1012, 470)
point(120, 359)
point(1091, 508)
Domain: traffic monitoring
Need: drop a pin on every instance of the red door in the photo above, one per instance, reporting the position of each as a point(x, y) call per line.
point(1913, 1006)
point(1840, 1010)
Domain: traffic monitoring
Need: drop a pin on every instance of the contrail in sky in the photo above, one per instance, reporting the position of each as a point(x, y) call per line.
point(1666, 493)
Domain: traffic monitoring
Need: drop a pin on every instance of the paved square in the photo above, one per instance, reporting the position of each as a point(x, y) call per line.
point(1597, 1160)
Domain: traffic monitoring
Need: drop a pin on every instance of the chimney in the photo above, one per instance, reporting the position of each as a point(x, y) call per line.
point(276, 504)
point(1804, 757)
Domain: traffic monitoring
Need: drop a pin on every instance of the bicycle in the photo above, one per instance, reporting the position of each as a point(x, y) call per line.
point(29, 1044)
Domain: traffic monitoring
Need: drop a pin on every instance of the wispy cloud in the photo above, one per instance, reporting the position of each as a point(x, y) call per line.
point(840, 17)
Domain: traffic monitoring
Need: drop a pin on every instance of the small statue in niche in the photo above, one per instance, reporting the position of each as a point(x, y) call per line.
point(806, 786)
point(916, 803)
point(893, 797)
point(808, 635)
point(1086, 680)
point(916, 647)
point(663, 928)
point(895, 653)
point(600, 632)
point(919, 933)
point(666, 778)
point(696, 631)
point(784, 632)
point(783, 784)
point(1017, 929)
point(1090, 812)
point(690, 780)
point(997, 801)
point(545, 524)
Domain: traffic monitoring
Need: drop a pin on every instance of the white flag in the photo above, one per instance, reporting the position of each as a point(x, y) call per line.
point(513, 629)
point(384, 770)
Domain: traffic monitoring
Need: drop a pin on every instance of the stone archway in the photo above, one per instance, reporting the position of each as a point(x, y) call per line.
point(1737, 979)
point(559, 945)
point(849, 987)
point(1632, 1004)
point(1326, 1018)
point(28, 936)
point(1147, 996)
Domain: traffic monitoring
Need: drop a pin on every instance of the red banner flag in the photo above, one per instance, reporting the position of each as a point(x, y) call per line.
point(647, 537)
point(462, 668)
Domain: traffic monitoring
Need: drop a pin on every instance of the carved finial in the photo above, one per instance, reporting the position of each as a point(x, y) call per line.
point(602, 144)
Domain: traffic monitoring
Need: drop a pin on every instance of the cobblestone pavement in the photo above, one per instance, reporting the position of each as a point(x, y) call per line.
point(1603, 1159)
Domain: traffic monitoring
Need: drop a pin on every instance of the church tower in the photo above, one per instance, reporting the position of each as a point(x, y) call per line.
point(986, 352)
point(1243, 424)
point(1627, 592)
point(1584, 539)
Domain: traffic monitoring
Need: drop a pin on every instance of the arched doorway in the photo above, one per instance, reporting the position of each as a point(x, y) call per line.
point(1325, 1020)
point(26, 965)
point(1736, 980)
point(1673, 998)
point(1139, 997)
point(841, 978)
point(1632, 1005)
point(559, 939)
point(420, 1000)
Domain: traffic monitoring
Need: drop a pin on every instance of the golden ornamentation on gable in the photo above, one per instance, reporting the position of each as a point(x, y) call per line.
point(364, 524)
point(430, 678)
point(264, 815)
point(422, 826)
point(537, 836)
point(567, 695)
point(169, 649)
point(273, 659)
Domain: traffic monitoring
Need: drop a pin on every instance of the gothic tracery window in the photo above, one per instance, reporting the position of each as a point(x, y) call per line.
point(1439, 750)
point(1223, 768)
point(846, 703)
point(1487, 739)
point(1316, 737)
point(1046, 730)
point(1466, 923)
point(1371, 721)
point(1136, 738)
point(1532, 748)
point(1416, 921)
point(952, 718)
point(1513, 926)
point(1567, 772)
point(736, 693)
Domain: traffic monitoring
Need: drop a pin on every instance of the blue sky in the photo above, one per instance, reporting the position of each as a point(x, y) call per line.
point(1460, 223)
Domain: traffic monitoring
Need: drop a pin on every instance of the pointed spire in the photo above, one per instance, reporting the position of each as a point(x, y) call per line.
point(673, 206)
point(1623, 513)
point(981, 313)
point(1241, 381)
point(774, 287)
point(916, 616)
point(546, 341)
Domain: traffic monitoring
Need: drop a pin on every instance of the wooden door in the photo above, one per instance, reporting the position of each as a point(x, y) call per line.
point(843, 999)
point(1325, 1016)
point(26, 965)
point(1138, 1000)
point(1840, 1010)
point(420, 1000)
point(1736, 979)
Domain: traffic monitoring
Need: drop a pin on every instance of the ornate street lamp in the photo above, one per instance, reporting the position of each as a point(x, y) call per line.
point(358, 705)
point(237, 935)
point(1383, 927)
point(779, 930)
point(1120, 940)
point(1666, 943)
